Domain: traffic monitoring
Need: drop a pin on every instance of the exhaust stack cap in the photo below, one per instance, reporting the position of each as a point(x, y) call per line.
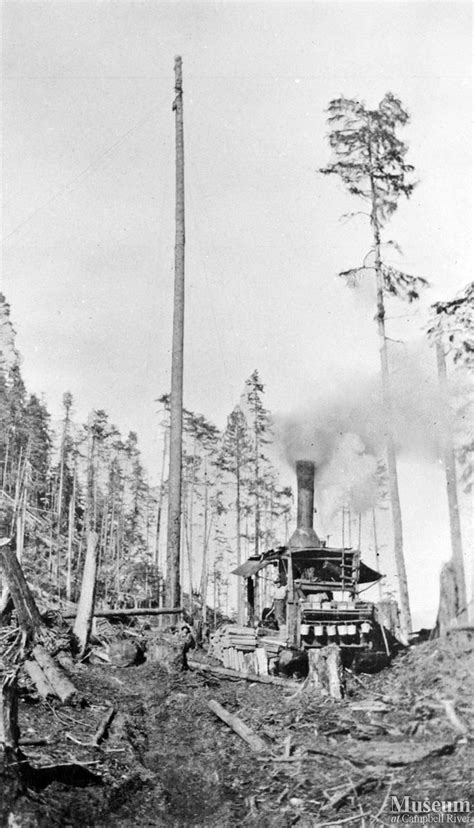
point(304, 534)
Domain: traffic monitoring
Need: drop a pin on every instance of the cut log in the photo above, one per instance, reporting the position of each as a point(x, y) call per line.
point(29, 618)
point(325, 671)
point(116, 613)
point(85, 610)
point(58, 680)
point(39, 679)
point(238, 726)
point(234, 674)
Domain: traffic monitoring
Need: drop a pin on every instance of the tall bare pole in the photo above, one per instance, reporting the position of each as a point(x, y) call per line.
point(173, 588)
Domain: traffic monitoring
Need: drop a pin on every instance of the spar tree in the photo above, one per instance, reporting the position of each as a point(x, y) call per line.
point(369, 158)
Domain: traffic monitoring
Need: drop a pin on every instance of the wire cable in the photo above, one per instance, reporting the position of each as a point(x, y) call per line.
point(91, 167)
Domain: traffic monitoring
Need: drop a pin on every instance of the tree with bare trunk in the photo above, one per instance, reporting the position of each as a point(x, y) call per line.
point(370, 161)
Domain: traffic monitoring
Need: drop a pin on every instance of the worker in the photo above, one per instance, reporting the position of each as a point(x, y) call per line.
point(188, 643)
point(279, 601)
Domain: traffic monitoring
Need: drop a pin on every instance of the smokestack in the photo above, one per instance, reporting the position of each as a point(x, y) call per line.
point(304, 534)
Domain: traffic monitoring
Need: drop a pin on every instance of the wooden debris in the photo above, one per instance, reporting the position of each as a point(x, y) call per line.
point(453, 717)
point(58, 680)
point(352, 788)
point(85, 610)
point(238, 726)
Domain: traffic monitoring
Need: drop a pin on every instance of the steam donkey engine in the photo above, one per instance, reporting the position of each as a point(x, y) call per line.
point(321, 594)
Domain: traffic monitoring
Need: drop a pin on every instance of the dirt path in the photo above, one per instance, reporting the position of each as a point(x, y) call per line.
point(169, 762)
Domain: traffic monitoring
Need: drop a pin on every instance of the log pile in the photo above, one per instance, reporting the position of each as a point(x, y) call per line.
point(236, 647)
point(239, 649)
point(232, 637)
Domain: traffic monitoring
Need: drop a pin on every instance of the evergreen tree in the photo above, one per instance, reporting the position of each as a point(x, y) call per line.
point(370, 161)
point(36, 421)
point(260, 426)
point(234, 458)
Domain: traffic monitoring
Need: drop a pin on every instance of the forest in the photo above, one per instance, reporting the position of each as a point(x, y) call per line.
point(58, 484)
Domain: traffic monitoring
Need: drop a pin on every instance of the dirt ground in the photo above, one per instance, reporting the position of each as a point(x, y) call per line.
point(168, 761)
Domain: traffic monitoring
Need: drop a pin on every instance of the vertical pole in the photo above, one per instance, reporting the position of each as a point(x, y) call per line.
point(173, 591)
point(377, 555)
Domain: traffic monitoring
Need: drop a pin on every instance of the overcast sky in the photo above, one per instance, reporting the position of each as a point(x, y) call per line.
point(88, 169)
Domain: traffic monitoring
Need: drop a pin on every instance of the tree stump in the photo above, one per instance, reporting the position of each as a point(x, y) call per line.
point(29, 618)
point(167, 651)
point(325, 671)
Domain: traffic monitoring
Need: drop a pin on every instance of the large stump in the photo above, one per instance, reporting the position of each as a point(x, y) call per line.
point(325, 674)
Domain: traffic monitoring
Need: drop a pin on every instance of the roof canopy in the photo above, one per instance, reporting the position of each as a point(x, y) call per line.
point(327, 563)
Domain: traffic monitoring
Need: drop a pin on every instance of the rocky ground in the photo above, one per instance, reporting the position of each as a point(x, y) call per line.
point(167, 760)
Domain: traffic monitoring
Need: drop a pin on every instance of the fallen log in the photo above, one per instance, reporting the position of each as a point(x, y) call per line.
point(238, 726)
point(104, 725)
point(235, 674)
point(39, 679)
point(115, 613)
point(58, 680)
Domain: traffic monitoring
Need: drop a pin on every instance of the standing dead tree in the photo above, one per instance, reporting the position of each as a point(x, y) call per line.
point(85, 610)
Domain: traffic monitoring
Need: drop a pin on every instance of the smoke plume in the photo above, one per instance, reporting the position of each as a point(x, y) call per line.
point(343, 431)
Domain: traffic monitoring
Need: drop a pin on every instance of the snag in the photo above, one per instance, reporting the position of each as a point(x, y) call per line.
point(85, 610)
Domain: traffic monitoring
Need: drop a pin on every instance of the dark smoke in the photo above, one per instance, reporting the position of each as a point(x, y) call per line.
point(343, 432)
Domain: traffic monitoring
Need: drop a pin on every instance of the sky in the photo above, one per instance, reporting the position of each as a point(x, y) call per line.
point(88, 208)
